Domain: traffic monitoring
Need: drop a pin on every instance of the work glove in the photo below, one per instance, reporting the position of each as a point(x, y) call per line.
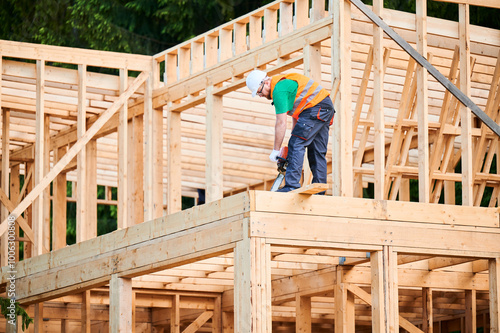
point(274, 156)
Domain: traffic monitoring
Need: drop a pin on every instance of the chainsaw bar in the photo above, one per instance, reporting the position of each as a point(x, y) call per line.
point(277, 182)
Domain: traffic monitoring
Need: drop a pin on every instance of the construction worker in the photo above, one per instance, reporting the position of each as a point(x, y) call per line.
point(312, 111)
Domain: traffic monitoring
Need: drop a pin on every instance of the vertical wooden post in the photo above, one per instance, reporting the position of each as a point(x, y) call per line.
point(175, 315)
point(38, 204)
point(317, 10)
point(174, 171)
point(81, 195)
point(136, 171)
point(270, 24)
point(59, 205)
point(341, 70)
point(123, 196)
point(210, 50)
point(196, 57)
point(470, 311)
point(344, 309)
point(252, 286)
point(46, 192)
point(214, 152)
point(91, 191)
point(422, 105)
point(427, 316)
point(85, 312)
point(120, 304)
point(38, 322)
point(286, 18)
point(14, 196)
point(217, 317)
point(465, 113)
point(29, 247)
point(384, 270)
point(303, 314)
point(378, 103)
point(149, 151)
point(494, 281)
point(4, 241)
point(301, 13)
point(240, 38)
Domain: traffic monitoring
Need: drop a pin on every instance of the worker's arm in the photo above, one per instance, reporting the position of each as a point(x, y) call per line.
point(279, 130)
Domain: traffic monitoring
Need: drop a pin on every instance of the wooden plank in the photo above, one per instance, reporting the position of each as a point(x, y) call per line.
point(427, 311)
point(494, 287)
point(379, 317)
point(174, 170)
point(199, 322)
point(123, 159)
point(465, 115)
point(341, 70)
point(91, 178)
point(86, 312)
point(470, 311)
point(303, 314)
point(59, 207)
point(175, 321)
point(431, 69)
point(5, 181)
point(214, 153)
point(120, 300)
point(38, 206)
point(422, 105)
point(105, 116)
point(378, 105)
point(311, 189)
point(81, 194)
point(483, 3)
point(148, 152)
point(344, 309)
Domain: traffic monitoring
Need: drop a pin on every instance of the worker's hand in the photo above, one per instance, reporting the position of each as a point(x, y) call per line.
point(274, 156)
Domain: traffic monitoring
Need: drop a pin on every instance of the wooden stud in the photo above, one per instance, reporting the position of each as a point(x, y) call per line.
point(184, 60)
point(465, 113)
point(211, 51)
point(174, 171)
point(217, 316)
point(59, 205)
point(86, 308)
point(301, 13)
point(226, 44)
point(494, 282)
point(341, 69)
point(470, 311)
point(303, 314)
point(196, 57)
point(252, 287)
point(175, 314)
point(5, 181)
point(14, 195)
point(214, 139)
point(422, 105)
point(38, 205)
point(123, 159)
point(149, 152)
point(120, 301)
point(427, 310)
point(38, 320)
point(317, 10)
point(81, 196)
point(240, 38)
point(344, 308)
point(91, 189)
point(255, 32)
point(378, 103)
point(270, 24)
point(135, 168)
point(286, 18)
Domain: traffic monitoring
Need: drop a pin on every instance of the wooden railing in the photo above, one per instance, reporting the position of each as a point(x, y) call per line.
point(261, 26)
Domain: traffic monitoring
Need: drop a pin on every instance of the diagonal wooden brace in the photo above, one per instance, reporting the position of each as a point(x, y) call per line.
point(75, 149)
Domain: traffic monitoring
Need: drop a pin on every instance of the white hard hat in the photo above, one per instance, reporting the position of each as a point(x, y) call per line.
point(254, 80)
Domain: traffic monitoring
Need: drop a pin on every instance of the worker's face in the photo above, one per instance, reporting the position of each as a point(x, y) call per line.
point(265, 89)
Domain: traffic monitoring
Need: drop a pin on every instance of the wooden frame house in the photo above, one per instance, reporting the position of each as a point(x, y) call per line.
point(417, 101)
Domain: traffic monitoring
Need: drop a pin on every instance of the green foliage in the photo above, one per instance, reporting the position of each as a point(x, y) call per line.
point(19, 311)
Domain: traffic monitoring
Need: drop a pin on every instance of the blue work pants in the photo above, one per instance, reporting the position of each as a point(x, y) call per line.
point(311, 132)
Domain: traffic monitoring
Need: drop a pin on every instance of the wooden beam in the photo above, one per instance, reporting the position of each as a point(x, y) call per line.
point(422, 105)
point(342, 176)
point(427, 311)
point(465, 115)
point(105, 116)
point(199, 322)
point(378, 104)
point(81, 161)
point(5, 181)
point(38, 205)
point(214, 140)
point(175, 321)
point(86, 312)
point(120, 301)
point(303, 314)
point(123, 159)
point(470, 311)
point(494, 281)
point(344, 308)
point(252, 286)
point(174, 169)
point(59, 205)
point(481, 3)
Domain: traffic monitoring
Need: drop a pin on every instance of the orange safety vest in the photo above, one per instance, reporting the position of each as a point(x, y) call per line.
point(309, 92)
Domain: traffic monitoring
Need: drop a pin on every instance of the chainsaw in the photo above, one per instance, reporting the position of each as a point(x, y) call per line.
point(282, 164)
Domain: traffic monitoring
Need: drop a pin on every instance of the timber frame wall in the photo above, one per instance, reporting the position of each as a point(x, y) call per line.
point(249, 260)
